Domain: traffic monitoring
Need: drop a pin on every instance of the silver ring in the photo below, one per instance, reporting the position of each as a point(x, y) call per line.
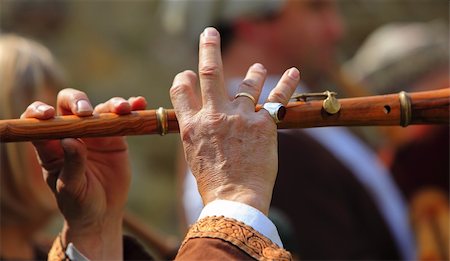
point(276, 110)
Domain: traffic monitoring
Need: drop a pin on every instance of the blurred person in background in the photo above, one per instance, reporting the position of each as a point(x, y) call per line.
point(402, 57)
point(413, 57)
point(346, 203)
point(28, 72)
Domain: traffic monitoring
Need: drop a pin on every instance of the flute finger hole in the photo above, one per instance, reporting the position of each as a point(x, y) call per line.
point(387, 109)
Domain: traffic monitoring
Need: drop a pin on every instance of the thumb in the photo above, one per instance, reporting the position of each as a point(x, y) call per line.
point(72, 178)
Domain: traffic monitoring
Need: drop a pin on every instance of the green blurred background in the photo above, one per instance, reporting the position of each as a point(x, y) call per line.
point(120, 48)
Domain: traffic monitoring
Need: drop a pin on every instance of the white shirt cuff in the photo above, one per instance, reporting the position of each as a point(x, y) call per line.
point(245, 214)
point(74, 254)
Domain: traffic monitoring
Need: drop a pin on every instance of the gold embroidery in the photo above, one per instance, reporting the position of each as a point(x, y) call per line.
point(57, 252)
point(238, 234)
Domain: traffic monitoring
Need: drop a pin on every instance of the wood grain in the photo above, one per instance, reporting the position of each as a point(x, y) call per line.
point(430, 107)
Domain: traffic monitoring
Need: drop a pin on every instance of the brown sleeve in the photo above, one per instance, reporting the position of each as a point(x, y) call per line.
point(132, 250)
point(220, 238)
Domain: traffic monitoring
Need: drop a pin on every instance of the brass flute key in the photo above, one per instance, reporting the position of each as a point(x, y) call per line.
point(330, 103)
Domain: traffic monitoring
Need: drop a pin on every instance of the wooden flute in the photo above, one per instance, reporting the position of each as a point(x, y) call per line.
point(429, 107)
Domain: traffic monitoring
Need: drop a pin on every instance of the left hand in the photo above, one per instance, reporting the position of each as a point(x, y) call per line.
point(89, 177)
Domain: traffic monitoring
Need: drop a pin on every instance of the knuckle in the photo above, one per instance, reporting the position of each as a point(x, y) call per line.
point(259, 73)
point(178, 89)
point(209, 70)
point(249, 84)
point(210, 124)
point(264, 120)
point(64, 91)
point(190, 73)
point(72, 94)
point(117, 100)
point(34, 105)
point(278, 96)
point(251, 123)
point(239, 120)
point(99, 107)
point(206, 44)
point(214, 120)
point(78, 95)
point(187, 132)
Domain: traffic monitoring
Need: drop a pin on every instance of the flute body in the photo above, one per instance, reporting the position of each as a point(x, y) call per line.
point(431, 107)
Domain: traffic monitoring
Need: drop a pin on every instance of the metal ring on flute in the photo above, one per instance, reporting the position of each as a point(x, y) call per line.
point(405, 109)
point(276, 110)
point(246, 94)
point(161, 119)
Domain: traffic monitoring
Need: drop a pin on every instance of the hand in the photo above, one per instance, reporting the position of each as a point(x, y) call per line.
point(230, 148)
point(90, 178)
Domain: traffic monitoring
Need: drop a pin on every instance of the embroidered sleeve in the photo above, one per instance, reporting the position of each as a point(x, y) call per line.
point(57, 252)
point(237, 233)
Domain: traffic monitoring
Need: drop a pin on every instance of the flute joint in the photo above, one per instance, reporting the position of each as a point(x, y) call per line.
point(162, 121)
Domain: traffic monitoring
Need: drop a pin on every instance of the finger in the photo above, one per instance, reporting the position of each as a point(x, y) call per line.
point(117, 105)
point(137, 103)
point(39, 110)
point(72, 175)
point(210, 69)
point(182, 94)
point(49, 151)
point(71, 101)
point(252, 85)
point(50, 155)
point(286, 86)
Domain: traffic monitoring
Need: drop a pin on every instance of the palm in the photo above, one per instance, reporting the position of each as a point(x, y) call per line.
point(101, 189)
point(108, 171)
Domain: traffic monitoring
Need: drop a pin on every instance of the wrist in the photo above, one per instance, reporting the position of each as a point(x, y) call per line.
point(102, 241)
point(257, 198)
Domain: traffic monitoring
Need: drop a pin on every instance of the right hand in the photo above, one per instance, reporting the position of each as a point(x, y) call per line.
point(230, 148)
point(89, 177)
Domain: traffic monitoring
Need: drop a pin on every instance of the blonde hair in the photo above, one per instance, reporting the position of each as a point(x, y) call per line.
point(27, 73)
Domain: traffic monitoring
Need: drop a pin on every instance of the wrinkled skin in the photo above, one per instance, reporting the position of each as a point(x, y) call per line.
point(231, 149)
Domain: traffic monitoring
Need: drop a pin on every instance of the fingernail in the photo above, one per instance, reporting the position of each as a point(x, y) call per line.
point(210, 31)
point(43, 108)
point(294, 73)
point(84, 106)
point(258, 66)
